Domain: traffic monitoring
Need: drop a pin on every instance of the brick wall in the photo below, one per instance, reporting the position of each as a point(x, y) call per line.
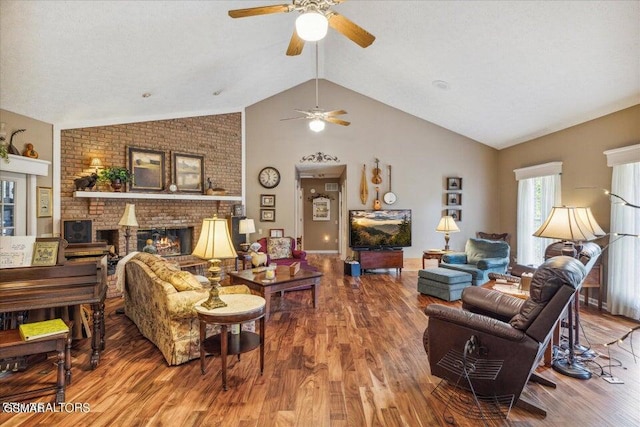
point(217, 138)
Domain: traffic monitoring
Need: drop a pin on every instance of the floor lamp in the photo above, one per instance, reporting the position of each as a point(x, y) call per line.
point(128, 220)
point(564, 223)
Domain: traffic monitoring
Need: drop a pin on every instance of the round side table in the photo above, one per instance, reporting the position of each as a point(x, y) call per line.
point(241, 308)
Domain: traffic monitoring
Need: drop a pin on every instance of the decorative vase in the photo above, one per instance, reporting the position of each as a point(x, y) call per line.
point(116, 184)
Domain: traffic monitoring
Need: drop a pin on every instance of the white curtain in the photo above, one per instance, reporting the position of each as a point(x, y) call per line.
point(623, 290)
point(536, 197)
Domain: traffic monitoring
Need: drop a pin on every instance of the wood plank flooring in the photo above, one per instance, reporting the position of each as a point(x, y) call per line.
point(356, 360)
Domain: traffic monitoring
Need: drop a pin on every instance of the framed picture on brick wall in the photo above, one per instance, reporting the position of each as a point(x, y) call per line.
point(188, 172)
point(147, 167)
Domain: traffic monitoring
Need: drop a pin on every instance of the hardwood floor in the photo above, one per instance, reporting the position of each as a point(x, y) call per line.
point(357, 360)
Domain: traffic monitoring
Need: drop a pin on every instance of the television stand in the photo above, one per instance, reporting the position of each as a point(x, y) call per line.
point(383, 258)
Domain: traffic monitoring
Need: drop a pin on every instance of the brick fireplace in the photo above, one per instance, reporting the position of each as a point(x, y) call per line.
point(216, 138)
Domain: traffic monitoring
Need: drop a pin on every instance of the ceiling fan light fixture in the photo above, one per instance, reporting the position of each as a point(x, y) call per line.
point(312, 26)
point(316, 125)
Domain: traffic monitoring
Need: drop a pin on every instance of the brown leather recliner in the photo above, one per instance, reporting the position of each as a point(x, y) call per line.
point(510, 331)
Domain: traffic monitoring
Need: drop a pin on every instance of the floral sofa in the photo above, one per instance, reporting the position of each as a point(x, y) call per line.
point(160, 300)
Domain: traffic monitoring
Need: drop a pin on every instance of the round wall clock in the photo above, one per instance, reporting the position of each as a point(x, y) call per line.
point(269, 177)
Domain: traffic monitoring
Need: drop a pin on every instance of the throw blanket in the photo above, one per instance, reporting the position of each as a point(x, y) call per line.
point(120, 273)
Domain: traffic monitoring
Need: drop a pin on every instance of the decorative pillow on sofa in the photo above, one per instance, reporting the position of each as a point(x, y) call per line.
point(279, 247)
point(184, 281)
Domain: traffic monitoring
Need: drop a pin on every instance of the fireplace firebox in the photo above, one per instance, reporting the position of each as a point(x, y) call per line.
point(167, 241)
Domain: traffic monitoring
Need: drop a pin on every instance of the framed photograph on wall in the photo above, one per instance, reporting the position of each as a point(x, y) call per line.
point(456, 214)
point(147, 167)
point(268, 215)
point(267, 200)
point(454, 199)
point(45, 202)
point(276, 232)
point(454, 183)
point(188, 172)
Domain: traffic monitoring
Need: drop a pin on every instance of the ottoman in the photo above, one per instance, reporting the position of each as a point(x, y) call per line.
point(443, 283)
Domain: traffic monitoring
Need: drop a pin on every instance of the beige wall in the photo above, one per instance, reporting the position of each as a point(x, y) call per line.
point(584, 170)
point(320, 235)
point(40, 134)
point(422, 155)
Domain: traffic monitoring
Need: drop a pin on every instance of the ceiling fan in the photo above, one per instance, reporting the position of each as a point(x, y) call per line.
point(317, 115)
point(312, 24)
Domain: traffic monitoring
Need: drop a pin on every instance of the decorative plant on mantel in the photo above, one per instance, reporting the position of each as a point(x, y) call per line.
point(116, 175)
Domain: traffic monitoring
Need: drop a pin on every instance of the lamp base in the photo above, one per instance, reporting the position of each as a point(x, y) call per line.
point(571, 369)
point(214, 300)
point(215, 277)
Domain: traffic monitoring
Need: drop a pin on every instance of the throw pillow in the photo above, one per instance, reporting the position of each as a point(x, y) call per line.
point(184, 281)
point(279, 247)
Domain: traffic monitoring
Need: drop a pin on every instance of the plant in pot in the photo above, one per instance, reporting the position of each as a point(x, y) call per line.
point(116, 175)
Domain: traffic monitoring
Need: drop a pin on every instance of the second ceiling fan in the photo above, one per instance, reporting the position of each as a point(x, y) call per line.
point(312, 24)
point(317, 115)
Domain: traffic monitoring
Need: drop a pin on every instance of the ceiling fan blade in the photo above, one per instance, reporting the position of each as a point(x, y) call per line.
point(337, 121)
point(335, 113)
point(295, 45)
point(293, 118)
point(355, 33)
point(305, 112)
point(261, 10)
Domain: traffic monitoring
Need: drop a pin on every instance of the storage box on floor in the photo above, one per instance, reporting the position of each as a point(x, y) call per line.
point(352, 268)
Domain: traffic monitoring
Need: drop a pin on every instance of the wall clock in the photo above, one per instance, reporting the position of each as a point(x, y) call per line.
point(269, 177)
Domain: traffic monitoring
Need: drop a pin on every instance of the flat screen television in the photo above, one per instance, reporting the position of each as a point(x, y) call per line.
point(382, 229)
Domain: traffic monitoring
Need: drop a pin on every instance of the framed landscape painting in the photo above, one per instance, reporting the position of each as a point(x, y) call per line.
point(188, 172)
point(147, 167)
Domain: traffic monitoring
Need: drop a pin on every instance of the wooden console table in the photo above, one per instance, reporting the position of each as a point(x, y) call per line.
point(381, 259)
point(72, 283)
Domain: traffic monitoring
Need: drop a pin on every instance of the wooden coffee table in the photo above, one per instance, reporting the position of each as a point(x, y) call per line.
point(283, 281)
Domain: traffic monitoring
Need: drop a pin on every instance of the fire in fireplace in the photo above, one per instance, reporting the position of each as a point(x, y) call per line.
point(167, 241)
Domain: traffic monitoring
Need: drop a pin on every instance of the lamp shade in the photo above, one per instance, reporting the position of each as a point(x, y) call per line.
point(96, 163)
point(312, 26)
point(564, 223)
point(214, 240)
point(447, 225)
point(587, 218)
point(129, 217)
point(246, 226)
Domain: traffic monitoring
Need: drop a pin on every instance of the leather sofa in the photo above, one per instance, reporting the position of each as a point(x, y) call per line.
point(160, 300)
point(480, 257)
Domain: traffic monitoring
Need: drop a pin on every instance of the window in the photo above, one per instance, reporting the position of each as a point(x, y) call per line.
point(538, 192)
point(623, 293)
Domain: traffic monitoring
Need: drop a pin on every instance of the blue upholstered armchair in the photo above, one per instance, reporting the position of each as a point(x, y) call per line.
point(480, 257)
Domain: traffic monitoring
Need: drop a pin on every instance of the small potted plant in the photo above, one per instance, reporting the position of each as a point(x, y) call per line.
point(116, 175)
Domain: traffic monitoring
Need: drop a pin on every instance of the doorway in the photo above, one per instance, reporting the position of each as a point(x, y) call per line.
point(320, 212)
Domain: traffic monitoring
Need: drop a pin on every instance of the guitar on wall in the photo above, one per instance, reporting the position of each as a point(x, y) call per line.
point(376, 203)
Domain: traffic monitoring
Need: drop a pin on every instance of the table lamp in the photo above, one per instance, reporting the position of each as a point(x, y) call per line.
point(128, 220)
point(447, 225)
point(246, 227)
point(564, 223)
point(214, 244)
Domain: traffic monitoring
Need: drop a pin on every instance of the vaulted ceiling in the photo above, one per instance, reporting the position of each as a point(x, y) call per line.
point(512, 70)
